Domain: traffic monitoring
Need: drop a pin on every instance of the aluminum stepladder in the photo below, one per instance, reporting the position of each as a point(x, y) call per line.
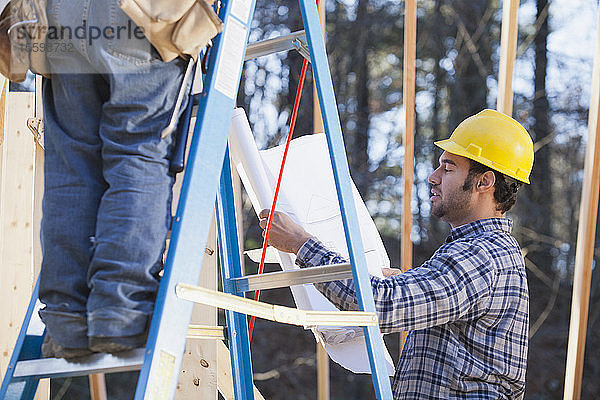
point(208, 176)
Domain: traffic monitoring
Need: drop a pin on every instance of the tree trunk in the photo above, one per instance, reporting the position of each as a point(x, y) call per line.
point(358, 153)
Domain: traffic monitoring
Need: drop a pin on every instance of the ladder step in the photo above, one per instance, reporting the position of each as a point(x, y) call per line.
point(279, 279)
point(295, 40)
point(95, 363)
point(102, 363)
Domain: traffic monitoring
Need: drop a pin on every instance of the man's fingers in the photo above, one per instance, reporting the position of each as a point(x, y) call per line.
point(264, 214)
point(387, 272)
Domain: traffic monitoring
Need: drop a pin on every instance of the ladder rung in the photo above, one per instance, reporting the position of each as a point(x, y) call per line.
point(93, 364)
point(102, 363)
point(206, 332)
point(279, 279)
point(286, 315)
point(295, 40)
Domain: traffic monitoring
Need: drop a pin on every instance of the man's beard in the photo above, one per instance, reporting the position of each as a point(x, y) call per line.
point(452, 205)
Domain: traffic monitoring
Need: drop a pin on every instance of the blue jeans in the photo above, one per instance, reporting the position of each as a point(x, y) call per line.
point(107, 198)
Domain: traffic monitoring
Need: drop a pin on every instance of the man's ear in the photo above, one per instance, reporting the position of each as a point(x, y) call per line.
point(486, 182)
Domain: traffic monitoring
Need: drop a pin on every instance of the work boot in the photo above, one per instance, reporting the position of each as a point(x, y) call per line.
point(116, 344)
point(51, 349)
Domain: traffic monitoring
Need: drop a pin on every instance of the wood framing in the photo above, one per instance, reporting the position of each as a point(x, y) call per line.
point(322, 373)
point(198, 372)
point(586, 234)
point(97, 387)
point(225, 375)
point(408, 92)
point(17, 156)
point(508, 53)
point(21, 183)
point(198, 375)
point(323, 391)
point(43, 391)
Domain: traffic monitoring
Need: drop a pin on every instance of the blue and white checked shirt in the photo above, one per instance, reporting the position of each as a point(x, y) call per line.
point(466, 309)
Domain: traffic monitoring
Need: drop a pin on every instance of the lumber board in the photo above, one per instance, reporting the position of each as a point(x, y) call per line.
point(323, 392)
point(408, 139)
point(586, 234)
point(508, 53)
point(198, 374)
point(17, 181)
point(225, 375)
point(408, 90)
point(43, 392)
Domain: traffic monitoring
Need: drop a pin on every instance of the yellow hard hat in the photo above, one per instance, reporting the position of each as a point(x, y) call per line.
point(495, 140)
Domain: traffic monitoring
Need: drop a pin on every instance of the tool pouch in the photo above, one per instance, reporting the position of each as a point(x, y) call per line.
point(175, 28)
point(23, 30)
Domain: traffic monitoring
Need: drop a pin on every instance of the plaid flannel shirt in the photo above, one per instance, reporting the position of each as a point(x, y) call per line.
point(466, 309)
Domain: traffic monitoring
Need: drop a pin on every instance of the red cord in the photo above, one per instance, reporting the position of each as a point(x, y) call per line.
point(272, 210)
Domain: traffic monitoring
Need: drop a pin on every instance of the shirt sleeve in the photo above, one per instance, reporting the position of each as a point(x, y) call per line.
point(454, 284)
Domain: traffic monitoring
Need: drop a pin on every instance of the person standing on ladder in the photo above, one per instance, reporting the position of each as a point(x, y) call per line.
point(467, 306)
point(107, 194)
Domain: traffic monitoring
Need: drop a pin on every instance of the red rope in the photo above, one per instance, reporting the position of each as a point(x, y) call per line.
point(272, 210)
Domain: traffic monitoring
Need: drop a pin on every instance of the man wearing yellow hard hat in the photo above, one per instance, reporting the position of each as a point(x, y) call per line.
point(467, 306)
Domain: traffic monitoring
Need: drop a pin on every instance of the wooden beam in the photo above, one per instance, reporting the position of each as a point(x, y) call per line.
point(225, 375)
point(585, 242)
point(323, 391)
point(317, 117)
point(408, 89)
point(97, 387)
point(197, 376)
point(408, 93)
point(508, 53)
point(17, 169)
point(43, 392)
point(4, 85)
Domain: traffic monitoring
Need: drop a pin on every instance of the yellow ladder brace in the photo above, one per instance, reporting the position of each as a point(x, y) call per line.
point(286, 315)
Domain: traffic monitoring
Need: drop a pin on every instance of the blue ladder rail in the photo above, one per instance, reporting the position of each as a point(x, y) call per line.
point(28, 347)
point(341, 175)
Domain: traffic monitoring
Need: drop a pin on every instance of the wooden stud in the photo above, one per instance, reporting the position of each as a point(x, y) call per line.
point(197, 376)
point(317, 117)
point(225, 375)
point(97, 387)
point(586, 234)
point(3, 91)
point(17, 169)
point(508, 53)
point(323, 391)
point(408, 93)
point(410, 52)
point(43, 392)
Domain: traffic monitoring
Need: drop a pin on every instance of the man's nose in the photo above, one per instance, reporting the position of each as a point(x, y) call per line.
point(432, 178)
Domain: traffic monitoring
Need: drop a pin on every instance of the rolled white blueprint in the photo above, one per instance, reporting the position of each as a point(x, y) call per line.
point(313, 205)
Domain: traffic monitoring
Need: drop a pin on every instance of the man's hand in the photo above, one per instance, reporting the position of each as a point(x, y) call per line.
point(387, 272)
point(285, 234)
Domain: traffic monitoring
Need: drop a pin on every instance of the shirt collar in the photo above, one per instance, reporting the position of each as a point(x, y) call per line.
point(479, 226)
